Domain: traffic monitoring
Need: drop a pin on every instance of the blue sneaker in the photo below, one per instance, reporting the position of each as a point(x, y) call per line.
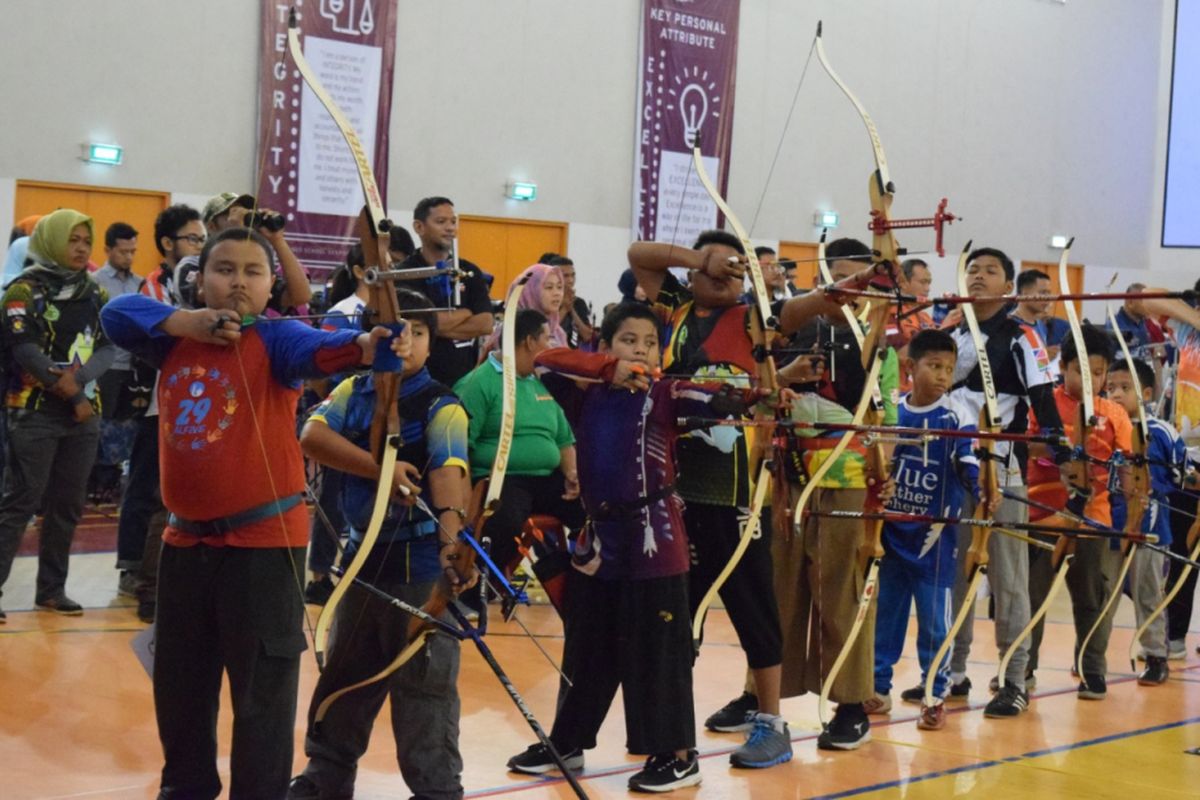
point(768, 744)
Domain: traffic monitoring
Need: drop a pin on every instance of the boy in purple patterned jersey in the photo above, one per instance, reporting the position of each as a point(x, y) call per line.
point(631, 558)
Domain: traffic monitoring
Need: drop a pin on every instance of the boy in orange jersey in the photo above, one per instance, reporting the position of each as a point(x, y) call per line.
point(1096, 561)
point(230, 591)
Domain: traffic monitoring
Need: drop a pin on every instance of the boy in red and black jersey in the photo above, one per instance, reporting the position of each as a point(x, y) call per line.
point(708, 338)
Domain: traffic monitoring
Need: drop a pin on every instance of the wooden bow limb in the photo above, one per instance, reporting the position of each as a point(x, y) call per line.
point(371, 224)
point(464, 554)
point(764, 328)
point(1065, 548)
point(1139, 485)
point(383, 304)
point(989, 431)
point(873, 345)
point(1193, 544)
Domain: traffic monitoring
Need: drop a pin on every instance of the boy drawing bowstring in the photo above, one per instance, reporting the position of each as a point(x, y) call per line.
point(232, 547)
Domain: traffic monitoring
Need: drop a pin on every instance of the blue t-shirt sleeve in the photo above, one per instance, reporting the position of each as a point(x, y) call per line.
point(292, 348)
point(340, 322)
point(132, 322)
point(446, 435)
point(1168, 456)
point(964, 451)
point(334, 409)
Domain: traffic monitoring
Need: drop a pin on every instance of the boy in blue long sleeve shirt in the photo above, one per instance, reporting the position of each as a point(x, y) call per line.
point(1167, 460)
point(920, 558)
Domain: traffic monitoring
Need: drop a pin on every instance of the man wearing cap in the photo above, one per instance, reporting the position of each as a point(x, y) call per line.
point(232, 210)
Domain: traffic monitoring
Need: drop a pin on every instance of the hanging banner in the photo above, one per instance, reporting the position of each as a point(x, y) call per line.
point(306, 171)
point(687, 71)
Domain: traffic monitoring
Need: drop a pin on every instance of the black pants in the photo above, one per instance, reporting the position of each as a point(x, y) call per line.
point(236, 610)
point(322, 546)
point(367, 635)
point(142, 498)
point(1179, 612)
point(49, 458)
point(635, 635)
point(523, 496)
point(748, 594)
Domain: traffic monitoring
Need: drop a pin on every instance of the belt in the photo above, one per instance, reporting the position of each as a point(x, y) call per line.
point(223, 525)
point(612, 511)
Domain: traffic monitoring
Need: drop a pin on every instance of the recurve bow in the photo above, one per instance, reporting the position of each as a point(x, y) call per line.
point(764, 327)
point(1064, 550)
point(989, 422)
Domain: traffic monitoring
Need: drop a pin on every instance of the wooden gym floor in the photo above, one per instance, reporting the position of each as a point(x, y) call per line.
point(77, 720)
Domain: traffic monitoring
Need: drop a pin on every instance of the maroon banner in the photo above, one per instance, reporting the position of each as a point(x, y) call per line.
point(306, 170)
point(688, 68)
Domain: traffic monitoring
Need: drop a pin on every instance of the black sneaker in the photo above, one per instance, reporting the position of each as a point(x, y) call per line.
point(915, 695)
point(959, 691)
point(1008, 702)
point(317, 593)
point(3, 618)
point(1092, 687)
point(146, 609)
point(665, 773)
point(736, 715)
point(536, 760)
point(848, 730)
point(1155, 673)
point(303, 788)
point(60, 605)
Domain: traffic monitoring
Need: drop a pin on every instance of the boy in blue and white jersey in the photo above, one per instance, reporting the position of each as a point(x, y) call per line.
point(920, 559)
point(1167, 457)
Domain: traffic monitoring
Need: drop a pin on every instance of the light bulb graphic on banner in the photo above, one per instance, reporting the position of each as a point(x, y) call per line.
point(693, 110)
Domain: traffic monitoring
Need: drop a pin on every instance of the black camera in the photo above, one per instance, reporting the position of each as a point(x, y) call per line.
point(266, 219)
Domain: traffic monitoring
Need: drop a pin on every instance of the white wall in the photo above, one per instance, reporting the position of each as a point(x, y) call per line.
point(1033, 116)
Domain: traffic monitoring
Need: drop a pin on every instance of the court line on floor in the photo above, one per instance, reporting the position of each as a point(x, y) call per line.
point(905, 782)
point(812, 734)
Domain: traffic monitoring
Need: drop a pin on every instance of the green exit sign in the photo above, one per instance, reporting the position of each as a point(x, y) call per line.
point(109, 154)
point(521, 190)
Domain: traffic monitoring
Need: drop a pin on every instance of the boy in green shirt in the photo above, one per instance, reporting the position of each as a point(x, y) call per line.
point(542, 477)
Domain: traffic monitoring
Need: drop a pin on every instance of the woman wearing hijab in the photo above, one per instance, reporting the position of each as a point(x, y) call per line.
point(543, 292)
point(54, 350)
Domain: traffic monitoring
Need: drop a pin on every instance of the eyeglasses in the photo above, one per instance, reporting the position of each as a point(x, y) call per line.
point(191, 238)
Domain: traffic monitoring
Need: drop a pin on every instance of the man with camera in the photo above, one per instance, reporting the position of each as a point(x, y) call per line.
point(231, 210)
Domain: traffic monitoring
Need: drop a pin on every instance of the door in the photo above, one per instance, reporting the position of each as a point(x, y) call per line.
point(1074, 278)
point(805, 256)
point(105, 206)
point(504, 247)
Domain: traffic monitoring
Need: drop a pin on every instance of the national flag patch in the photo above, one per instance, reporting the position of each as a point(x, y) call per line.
point(1040, 354)
point(15, 308)
point(1043, 358)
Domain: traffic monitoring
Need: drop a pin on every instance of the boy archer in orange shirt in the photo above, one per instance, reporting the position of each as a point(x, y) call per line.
point(1096, 559)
